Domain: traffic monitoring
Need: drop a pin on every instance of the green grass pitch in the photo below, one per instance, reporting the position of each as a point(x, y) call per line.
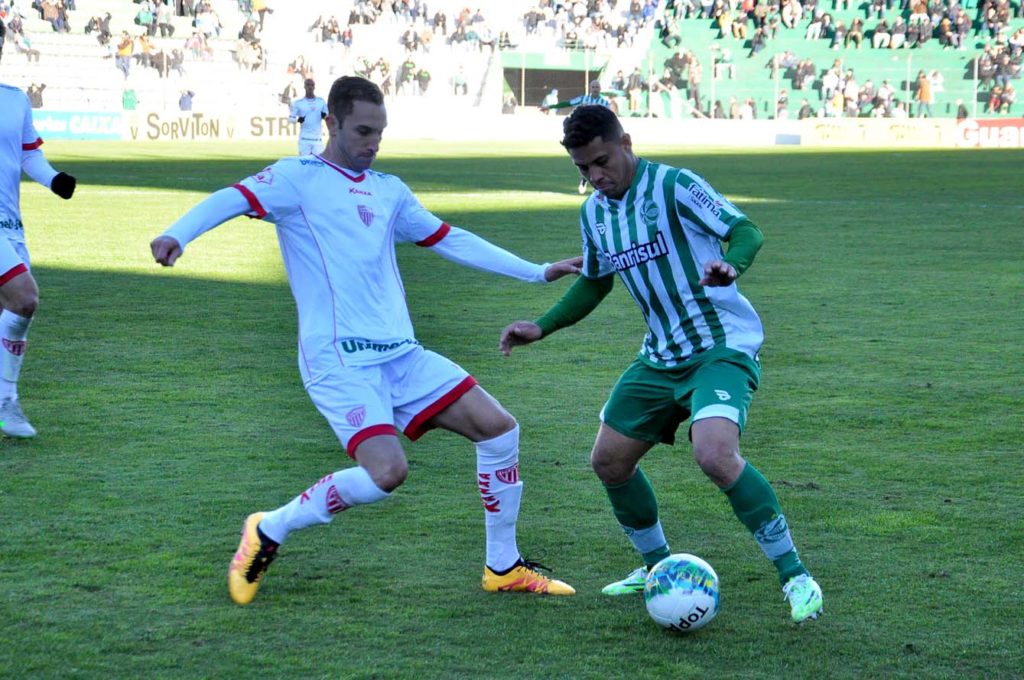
point(169, 406)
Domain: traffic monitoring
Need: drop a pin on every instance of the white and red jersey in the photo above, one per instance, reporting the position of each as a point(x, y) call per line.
point(17, 136)
point(337, 233)
point(312, 110)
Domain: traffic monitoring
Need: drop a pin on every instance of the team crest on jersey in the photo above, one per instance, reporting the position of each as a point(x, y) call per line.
point(264, 176)
point(365, 214)
point(650, 212)
point(601, 228)
point(356, 416)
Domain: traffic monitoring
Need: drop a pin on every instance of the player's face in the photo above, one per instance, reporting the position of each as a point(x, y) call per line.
point(355, 143)
point(608, 166)
point(310, 89)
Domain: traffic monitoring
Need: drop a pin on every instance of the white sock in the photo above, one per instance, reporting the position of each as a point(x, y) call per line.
point(13, 334)
point(319, 503)
point(497, 473)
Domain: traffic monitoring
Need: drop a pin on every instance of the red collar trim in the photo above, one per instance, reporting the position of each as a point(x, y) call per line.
point(358, 178)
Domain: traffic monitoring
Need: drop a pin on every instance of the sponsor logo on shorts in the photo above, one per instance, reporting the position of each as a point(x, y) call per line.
point(365, 214)
point(353, 345)
point(509, 475)
point(12, 225)
point(15, 347)
point(356, 416)
point(723, 395)
point(335, 503)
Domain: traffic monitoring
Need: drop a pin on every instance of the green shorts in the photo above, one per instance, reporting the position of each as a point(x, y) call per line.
point(649, 403)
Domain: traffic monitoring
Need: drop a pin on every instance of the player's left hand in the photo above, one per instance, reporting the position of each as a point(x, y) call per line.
point(563, 268)
point(718, 273)
point(63, 185)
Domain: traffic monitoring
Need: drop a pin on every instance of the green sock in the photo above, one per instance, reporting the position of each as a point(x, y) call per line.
point(756, 505)
point(636, 508)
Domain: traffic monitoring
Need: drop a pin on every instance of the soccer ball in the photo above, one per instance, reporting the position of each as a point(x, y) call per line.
point(681, 593)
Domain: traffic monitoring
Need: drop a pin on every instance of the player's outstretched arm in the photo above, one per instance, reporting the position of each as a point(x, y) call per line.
point(216, 209)
point(583, 297)
point(470, 250)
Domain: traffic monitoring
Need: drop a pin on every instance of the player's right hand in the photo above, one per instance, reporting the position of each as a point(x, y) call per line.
point(166, 250)
point(518, 333)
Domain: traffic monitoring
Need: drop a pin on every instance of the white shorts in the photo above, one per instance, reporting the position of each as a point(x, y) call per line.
point(401, 395)
point(13, 259)
point(308, 147)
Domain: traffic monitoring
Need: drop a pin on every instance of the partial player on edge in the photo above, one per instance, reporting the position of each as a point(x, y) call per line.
point(19, 294)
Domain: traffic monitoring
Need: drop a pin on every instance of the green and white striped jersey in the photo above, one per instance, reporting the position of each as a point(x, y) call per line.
point(658, 237)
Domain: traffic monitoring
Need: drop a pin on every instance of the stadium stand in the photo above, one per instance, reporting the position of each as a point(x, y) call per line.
point(741, 58)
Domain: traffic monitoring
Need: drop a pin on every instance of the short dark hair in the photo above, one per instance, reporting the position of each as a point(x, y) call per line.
point(349, 89)
point(586, 123)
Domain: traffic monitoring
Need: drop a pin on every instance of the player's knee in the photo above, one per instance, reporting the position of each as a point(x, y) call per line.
point(501, 422)
point(608, 468)
point(708, 452)
point(390, 475)
point(24, 304)
point(719, 459)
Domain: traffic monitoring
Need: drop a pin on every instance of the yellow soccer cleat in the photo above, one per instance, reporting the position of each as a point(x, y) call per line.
point(254, 555)
point(524, 578)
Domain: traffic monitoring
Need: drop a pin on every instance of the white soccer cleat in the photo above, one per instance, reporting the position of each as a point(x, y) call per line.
point(13, 422)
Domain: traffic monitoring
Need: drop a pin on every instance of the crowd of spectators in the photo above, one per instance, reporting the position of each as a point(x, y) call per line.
point(748, 27)
point(876, 24)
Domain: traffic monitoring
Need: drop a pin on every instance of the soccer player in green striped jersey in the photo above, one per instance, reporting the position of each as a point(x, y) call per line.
point(662, 229)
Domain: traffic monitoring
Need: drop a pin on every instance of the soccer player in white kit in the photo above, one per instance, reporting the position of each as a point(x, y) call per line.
point(337, 221)
point(19, 150)
point(309, 112)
